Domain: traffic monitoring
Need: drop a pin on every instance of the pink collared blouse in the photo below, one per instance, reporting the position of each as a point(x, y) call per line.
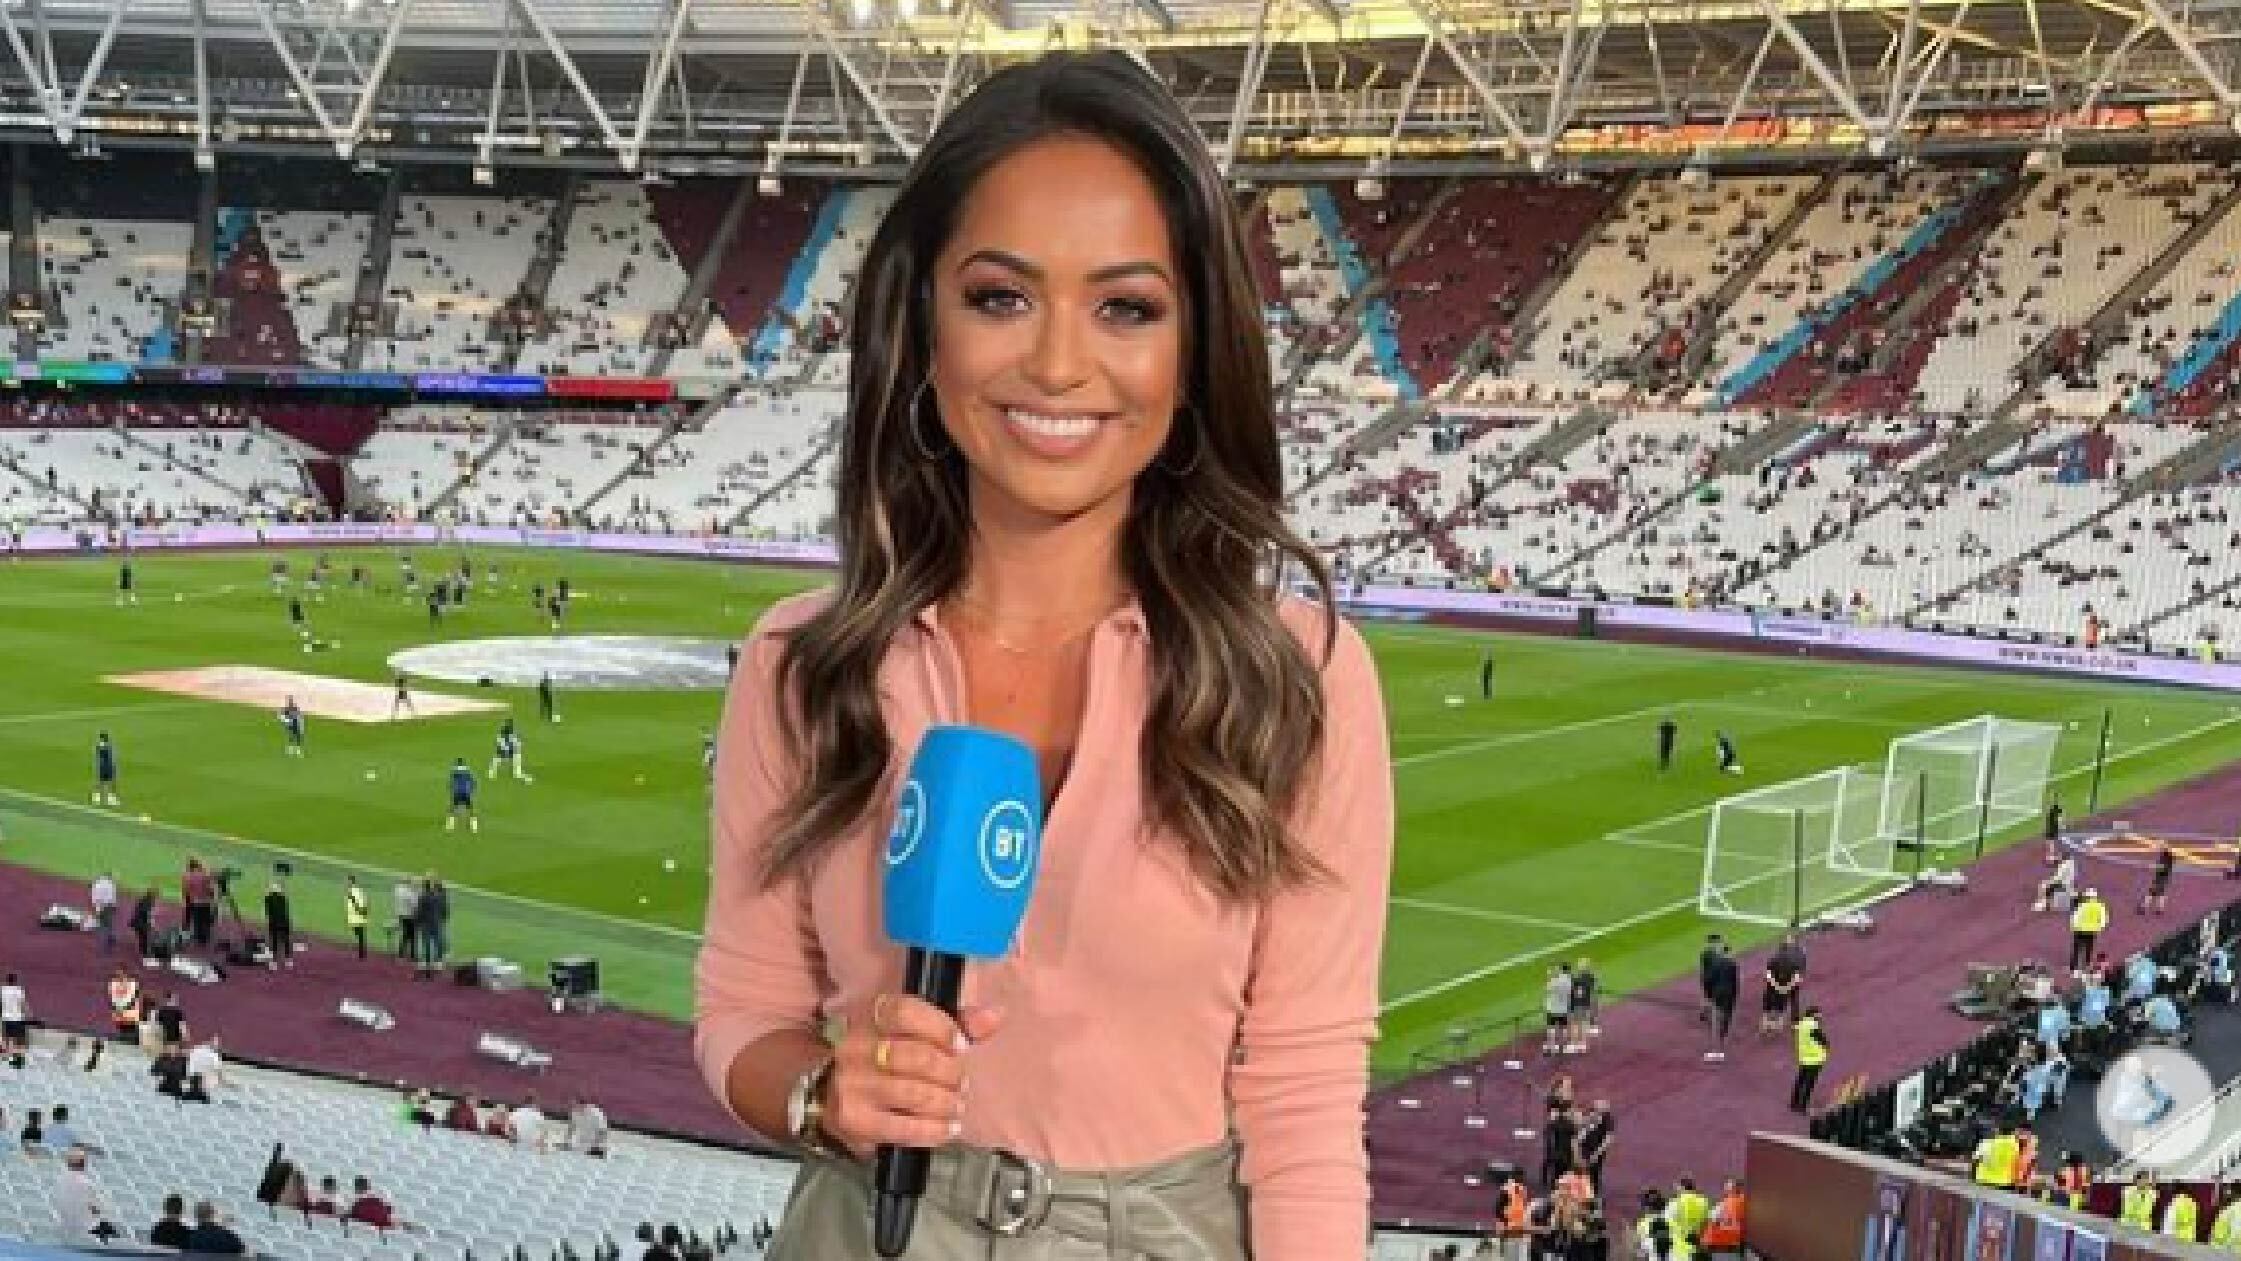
point(1144, 1017)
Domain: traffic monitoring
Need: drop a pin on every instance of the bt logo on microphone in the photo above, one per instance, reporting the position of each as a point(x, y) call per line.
point(1007, 844)
point(910, 824)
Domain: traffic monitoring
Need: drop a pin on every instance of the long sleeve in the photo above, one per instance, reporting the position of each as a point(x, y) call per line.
point(1302, 1072)
point(760, 968)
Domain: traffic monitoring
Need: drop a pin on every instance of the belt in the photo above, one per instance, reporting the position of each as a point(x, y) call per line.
point(1010, 1195)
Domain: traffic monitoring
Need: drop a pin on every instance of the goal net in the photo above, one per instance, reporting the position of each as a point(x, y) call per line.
point(1985, 773)
point(1789, 851)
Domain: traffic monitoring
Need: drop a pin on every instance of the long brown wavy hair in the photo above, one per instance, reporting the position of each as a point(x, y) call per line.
point(1237, 713)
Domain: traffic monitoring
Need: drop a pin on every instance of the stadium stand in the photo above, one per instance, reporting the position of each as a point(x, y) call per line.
point(1321, 296)
point(454, 263)
point(553, 465)
point(617, 276)
point(111, 284)
point(457, 1193)
point(2071, 245)
point(763, 465)
point(1820, 305)
point(254, 325)
point(813, 352)
point(413, 462)
point(154, 461)
point(1624, 297)
point(319, 253)
point(1487, 251)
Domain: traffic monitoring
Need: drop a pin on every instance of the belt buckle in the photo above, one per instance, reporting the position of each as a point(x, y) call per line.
point(1016, 1197)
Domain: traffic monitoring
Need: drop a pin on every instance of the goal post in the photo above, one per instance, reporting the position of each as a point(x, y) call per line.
point(1960, 783)
point(1786, 852)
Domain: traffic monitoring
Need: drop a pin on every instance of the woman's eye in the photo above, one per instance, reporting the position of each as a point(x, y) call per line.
point(995, 300)
point(1134, 310)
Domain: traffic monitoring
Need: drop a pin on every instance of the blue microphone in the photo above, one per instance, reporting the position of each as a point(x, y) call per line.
point(960, 865)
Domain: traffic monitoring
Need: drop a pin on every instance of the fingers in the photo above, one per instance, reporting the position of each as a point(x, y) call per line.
point(904, 1059)
point(899, 1074)
point(902, 1017)
point(981, 1023)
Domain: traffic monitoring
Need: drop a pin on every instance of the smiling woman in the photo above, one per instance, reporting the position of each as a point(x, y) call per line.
point(1056, 354)
point(1060, 516)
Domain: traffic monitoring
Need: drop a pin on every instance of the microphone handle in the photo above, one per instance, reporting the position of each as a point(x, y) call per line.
point(899, 1181)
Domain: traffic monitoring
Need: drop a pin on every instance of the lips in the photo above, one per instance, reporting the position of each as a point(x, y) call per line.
point(1054, 435)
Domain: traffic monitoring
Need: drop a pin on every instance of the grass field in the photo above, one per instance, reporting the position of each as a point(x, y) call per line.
point(1532, 828)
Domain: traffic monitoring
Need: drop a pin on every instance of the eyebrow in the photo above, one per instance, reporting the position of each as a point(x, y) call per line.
point(1115, 271)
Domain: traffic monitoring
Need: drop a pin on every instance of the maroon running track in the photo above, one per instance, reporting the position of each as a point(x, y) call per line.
point(1882, 996)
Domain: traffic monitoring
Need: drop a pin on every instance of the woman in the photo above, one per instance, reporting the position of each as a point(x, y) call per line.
point(1060, 515)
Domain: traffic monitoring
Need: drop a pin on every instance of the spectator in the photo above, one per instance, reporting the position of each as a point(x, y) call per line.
point(1723, 1234)
point(169, 1068)
point(15, 1017)
point(208, 1063)
point(199, 894)
point(587, 1128)
point(2164, 1021)
point(498, 1124)
point(34, 1135)
point(143, 922)
point(419, 1109)
point(77, 1204)
point(171, 1020)
point(280, 925)
point(1594, 1143)
point(124, 1006)
point(62, 1136)
point(464, 1115)
point(404, 901)
point(528, 1126)
point(194, 1090)
point(274, 1179)
point(170, 1230)
point(368, 1207)
point(328, 1202)
point(103, 897)
point(211, 1236)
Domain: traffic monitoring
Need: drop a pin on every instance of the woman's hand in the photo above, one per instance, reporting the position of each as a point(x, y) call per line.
point(899, 1074)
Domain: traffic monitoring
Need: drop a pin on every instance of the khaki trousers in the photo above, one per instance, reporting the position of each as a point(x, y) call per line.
point(990, 1206)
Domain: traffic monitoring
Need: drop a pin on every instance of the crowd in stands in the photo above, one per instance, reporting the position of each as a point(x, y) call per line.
point(333, 1157)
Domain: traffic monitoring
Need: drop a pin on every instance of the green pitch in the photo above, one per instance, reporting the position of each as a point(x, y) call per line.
point(1533, 827)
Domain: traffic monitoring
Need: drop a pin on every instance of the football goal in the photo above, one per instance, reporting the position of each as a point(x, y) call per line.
point(1963, 782)
point(1786, 852)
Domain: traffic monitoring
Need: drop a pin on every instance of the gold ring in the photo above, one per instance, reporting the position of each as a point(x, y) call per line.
point(879, 1054)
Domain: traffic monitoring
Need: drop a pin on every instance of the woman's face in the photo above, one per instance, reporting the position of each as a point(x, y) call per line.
point(1058, 333)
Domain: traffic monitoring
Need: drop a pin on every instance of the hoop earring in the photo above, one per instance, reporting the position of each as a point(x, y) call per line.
point(1198, 446)
point(927, 451)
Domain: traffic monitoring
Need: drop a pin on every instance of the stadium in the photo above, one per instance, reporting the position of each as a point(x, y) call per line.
point(1779, 454)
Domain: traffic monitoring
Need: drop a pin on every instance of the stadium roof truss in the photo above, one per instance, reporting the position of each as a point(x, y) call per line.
point(1281, 88)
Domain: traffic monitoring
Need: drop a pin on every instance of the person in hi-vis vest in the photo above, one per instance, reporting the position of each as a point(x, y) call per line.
point(2138, 1208)
point(2181, 1216)
point(1812, 1057)
point(2225, 1228)
point(1996, 1158)
point(355, 913)
point(2087, 921)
